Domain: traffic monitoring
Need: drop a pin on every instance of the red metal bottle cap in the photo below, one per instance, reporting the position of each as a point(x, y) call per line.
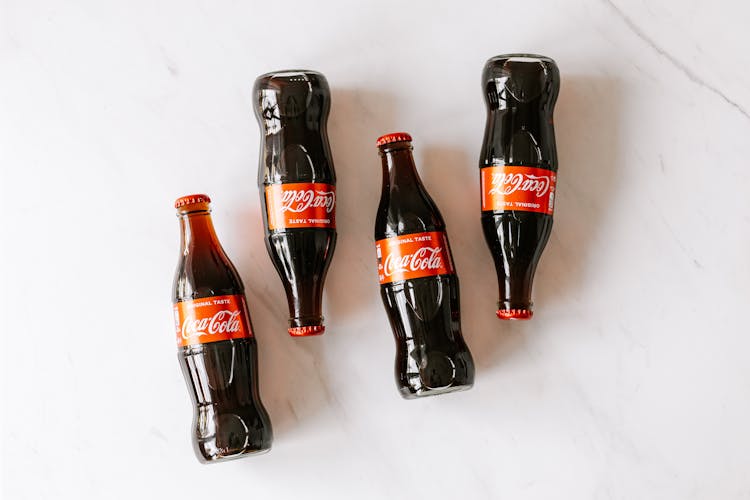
point(307, 331)
point(394, 137)
point(190, 199)
point(514, 314)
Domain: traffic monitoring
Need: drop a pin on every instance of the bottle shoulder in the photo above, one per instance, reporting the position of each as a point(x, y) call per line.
point(199, 275)
point(403, 213)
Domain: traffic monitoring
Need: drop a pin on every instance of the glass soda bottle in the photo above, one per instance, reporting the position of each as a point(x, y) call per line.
point(216, 347)
point(518, 172)
point(298, 189)
point(418, 282)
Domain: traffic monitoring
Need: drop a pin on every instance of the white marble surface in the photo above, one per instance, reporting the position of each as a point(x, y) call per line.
point(633, 379)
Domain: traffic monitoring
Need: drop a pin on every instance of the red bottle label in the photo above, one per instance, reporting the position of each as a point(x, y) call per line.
point(413, 256)
point(212, 319)
point(301, 204)
point(527, 189)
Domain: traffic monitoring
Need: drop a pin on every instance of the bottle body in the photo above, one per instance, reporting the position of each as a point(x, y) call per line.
point(297, 182)
point(431, 355)
point(217, 351)
point(229, 419)
point(518, 172)
point(418, 283)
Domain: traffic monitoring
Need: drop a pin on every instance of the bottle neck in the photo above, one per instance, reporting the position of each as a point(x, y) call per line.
point(399, 167)
point(197, 231)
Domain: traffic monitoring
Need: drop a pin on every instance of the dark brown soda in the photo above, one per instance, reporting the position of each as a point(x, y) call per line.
point(292, 110)
point(431, 355)
point(520, 91)
point(229, 420)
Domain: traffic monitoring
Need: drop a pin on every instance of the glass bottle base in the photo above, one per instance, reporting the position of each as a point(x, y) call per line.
point(212, 459)
point(424, 393)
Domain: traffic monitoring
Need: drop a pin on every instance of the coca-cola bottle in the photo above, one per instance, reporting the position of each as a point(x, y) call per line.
point(518, 168)
point(298, 189)
point(216, 347)
point(418, 282)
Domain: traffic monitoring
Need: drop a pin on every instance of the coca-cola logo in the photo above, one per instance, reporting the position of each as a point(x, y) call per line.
point(299, 200)
point(426, 258)
point(221, 322)
point(505, 183)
